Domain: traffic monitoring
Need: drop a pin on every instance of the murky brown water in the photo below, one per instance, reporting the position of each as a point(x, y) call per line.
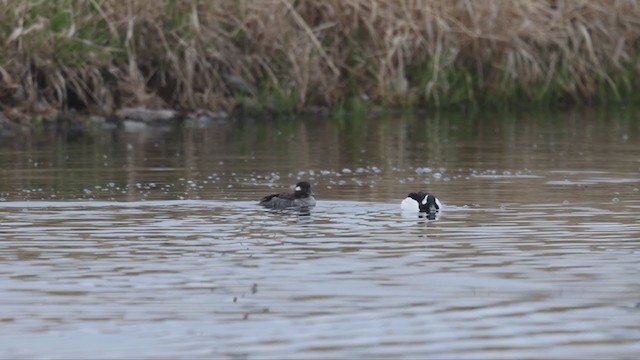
point(148, 242)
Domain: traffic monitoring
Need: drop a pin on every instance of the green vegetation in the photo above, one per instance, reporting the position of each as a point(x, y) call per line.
point(285, 56)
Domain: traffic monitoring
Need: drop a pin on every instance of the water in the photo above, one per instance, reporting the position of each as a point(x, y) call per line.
point(149, 243)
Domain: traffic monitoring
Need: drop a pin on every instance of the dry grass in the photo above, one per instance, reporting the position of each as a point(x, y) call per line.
point(283, 55)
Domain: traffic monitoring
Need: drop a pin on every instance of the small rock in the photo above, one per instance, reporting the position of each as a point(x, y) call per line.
point(204, 118)
point(146, 115)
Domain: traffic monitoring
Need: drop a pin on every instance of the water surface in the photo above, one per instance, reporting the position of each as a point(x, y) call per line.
point(147, 242)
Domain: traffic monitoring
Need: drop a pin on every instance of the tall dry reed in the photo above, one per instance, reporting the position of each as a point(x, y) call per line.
point(284, 55)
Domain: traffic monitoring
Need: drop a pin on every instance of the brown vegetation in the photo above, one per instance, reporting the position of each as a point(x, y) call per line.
point(284, 55)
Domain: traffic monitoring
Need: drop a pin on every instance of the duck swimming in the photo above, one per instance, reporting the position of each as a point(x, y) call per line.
point(421, 202)
point(302, 197)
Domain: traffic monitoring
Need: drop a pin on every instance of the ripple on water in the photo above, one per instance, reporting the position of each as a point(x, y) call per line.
point(349, 279)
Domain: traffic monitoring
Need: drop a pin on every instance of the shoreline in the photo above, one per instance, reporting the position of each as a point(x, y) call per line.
point(73, 124)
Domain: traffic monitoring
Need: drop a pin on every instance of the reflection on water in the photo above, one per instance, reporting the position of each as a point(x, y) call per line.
point(151, 244)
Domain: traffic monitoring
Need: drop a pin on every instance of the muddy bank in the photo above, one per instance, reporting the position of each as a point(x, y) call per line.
point(128, 119)
point(74, 124)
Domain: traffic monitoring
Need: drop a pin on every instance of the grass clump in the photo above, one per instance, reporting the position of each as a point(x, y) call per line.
point(285, 55)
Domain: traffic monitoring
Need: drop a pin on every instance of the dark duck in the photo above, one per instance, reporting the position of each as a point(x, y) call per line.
point(302, 197)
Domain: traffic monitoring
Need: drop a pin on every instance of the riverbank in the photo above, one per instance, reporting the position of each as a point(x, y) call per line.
point(277, 56)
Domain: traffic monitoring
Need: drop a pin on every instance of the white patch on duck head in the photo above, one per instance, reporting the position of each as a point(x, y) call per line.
point(298, 188)
point(424, 201)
